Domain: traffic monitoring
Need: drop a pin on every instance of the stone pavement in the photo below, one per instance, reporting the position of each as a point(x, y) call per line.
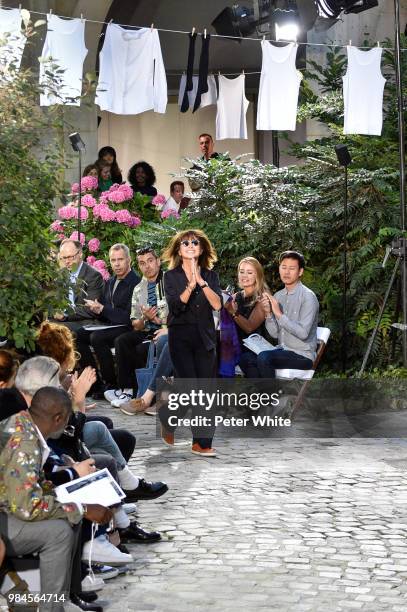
point(270, 524)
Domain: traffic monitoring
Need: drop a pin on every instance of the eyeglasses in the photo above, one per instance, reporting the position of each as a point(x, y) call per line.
point(68, 257)
point(188, 242)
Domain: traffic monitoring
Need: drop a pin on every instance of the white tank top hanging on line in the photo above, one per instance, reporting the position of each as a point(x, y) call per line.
point(363, 86)
point(279, 88)
point(65, 45)
point(10, 29)
point(232, 107)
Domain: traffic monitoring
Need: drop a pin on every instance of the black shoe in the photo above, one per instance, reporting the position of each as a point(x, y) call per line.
point(123, 548)
point(146, 490)
point(90, 607)
point(88, 596)
point(134, 533)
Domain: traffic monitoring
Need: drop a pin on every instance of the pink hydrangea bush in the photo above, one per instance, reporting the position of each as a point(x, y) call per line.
point(159, 200)
point(93, 245)
point(169, 213)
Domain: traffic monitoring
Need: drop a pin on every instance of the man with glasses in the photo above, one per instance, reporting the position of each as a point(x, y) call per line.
point(148, 319)
point(86, 283)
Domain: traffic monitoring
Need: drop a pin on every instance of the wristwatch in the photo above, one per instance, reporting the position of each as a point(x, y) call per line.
point(204, 285)
point(85, 509)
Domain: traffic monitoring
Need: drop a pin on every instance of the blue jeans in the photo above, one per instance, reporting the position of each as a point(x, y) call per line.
point(266, 363)
point(164, 364)
point(98, 439)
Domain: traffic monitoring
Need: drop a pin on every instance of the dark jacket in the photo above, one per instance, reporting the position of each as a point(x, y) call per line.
point(117, 305)
point(197, 311)
point(148, 190)
point(89, 286)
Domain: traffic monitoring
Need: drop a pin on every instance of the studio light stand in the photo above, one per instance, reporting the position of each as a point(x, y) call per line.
point(344, 160)
point(78, 146)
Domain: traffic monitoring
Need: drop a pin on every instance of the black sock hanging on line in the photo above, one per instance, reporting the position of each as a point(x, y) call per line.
point(203, 71)
point(190, 69)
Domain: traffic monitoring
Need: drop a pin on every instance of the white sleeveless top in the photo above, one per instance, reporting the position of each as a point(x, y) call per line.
point(10, 27)
point(279, 87)
point(65, 44)
point(207, 98)
point(232, 107)
point(363, 86)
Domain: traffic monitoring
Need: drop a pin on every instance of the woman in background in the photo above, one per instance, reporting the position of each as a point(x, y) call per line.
point(107, 155)
point(142, 178)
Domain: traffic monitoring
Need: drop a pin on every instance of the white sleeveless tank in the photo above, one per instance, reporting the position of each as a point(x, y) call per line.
point(231, 108)
point(363, 86)
point(65, 44)
point(10, 27)
point(279, 87)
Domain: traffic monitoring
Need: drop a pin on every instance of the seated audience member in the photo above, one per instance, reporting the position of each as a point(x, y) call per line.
point(105, 180)
point(86, 283)
point(11, 401)
point(91, 170)
point(107, 155)
point(57, 341)
point(176, 201)
point(148, 315)
point(113, 309)
point(31, 518)
point(37, 372)
point(142, 178)
point(247, 310)
point(292, 318)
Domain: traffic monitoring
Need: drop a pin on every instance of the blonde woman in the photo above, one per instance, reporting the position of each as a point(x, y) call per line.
point(247, 310)
point(192, 291)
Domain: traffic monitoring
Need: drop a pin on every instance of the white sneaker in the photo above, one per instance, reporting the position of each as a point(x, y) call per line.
point(104, 572)
point(130, 508)
point(124, 397)
point(112, 394)
point(104, 552)
point(92, 584)
point(127, 480)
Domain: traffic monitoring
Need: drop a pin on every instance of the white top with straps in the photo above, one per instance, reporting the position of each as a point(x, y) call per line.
point(363, 86)
point(279, 88)
point(65, 45)
point(232, 108)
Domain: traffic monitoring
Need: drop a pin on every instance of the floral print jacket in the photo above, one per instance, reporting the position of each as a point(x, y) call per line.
point(24, 492)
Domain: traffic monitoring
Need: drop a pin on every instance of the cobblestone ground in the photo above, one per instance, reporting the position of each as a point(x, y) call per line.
point(289, 525)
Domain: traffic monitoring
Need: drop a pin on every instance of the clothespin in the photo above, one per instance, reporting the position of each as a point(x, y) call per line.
point(20, 7)
point(378, 43)
point(243, 72)
point(193, 31)
point(152, 27)
point(81, 17)
point(111, 21)
point(50, 11)
point(218, 72)
point(205, 33)
point(264, 37)
point(350, 42)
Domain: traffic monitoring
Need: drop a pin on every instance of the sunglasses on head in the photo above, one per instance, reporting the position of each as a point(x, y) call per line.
point(144, 250)
point(186, 243)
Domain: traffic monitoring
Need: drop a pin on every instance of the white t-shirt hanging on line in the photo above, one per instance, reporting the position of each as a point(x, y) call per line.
point(232, 108)
point(65, 45)
point(279, 88)
point(10, 29)
point(207, 99)
point(363, 86)
point(132, 74)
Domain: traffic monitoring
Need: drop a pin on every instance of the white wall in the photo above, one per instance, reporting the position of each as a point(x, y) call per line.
point(163, 140)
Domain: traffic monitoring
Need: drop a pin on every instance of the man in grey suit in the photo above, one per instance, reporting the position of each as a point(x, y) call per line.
point(87, 284)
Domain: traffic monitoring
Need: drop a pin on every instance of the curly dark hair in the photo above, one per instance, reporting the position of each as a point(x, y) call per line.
point(149, 172)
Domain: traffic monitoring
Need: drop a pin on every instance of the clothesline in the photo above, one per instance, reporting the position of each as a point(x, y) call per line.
point(137, 27)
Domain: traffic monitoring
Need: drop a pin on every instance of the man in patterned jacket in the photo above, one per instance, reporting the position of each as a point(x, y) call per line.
point(31, 518)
